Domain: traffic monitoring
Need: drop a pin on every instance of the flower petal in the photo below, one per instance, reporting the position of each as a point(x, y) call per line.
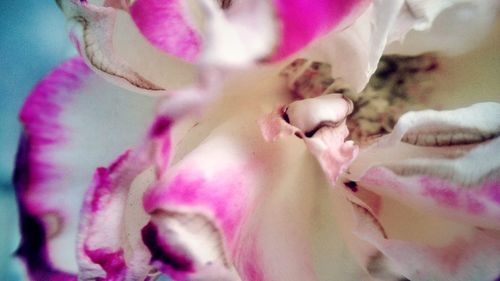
point(320, 122)
point(382, 23)
point(473, 255)
point(92, 38)
point(347, 50)
point(109, 243)
point(240, 35)
point(73, 122)
point(234, 35)
point(300, 22)
point(164, 24)
point(229, 196)
point(109, 41)
point(212, 203)
point(240, 32)
point(167, 71)
point(436, 28)
point(439, 161)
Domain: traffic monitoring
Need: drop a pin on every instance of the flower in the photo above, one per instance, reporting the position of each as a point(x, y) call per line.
point(235, 165)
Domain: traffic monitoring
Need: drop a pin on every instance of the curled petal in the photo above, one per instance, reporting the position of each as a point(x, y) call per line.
point(65, 120)
point(110, 244)
point(320, 122)
point(107, 38)
point(473, 124)
point(93, 39)
point(439, 161)
point(436, 27)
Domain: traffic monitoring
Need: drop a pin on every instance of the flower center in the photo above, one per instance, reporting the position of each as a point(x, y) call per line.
point(398, 85)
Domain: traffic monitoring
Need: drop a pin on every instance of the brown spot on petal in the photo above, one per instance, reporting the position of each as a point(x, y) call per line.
point(107, 62)
point(448, 138)
point(53, 224)
point(378, 267)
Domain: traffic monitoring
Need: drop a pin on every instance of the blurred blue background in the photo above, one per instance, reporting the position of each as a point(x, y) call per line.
point(33, 39)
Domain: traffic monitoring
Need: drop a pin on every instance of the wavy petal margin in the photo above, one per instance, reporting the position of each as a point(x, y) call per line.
point(440, 161)
point(93, 34)
point(73, 122)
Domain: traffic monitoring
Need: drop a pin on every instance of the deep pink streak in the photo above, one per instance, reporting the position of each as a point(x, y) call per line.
point(250, 263)
point(224, 196)
point(103, 184)
point(44, 131)
point(165, 26)
point(382, 178)
point(160, 137)
point(112, 262)
point(440, 191)
point(492, 190)
point(40, 116)
point(302, 21)
point(161, 127)
point(474, 206)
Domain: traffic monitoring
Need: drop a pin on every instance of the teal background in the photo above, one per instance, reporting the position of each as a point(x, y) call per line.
point(33, 39)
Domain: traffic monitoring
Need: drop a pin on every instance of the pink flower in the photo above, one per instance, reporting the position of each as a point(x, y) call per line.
point(274, 141)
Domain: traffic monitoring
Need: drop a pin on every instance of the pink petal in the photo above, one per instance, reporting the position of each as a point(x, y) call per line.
point(224, 203)
point(104, 237)
point(229, 196)
point(110, 244)
point(300, 22)
point(242, 33)
point(221, 195)
point(164, 24)
point(68, 119)
point(438, 172)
